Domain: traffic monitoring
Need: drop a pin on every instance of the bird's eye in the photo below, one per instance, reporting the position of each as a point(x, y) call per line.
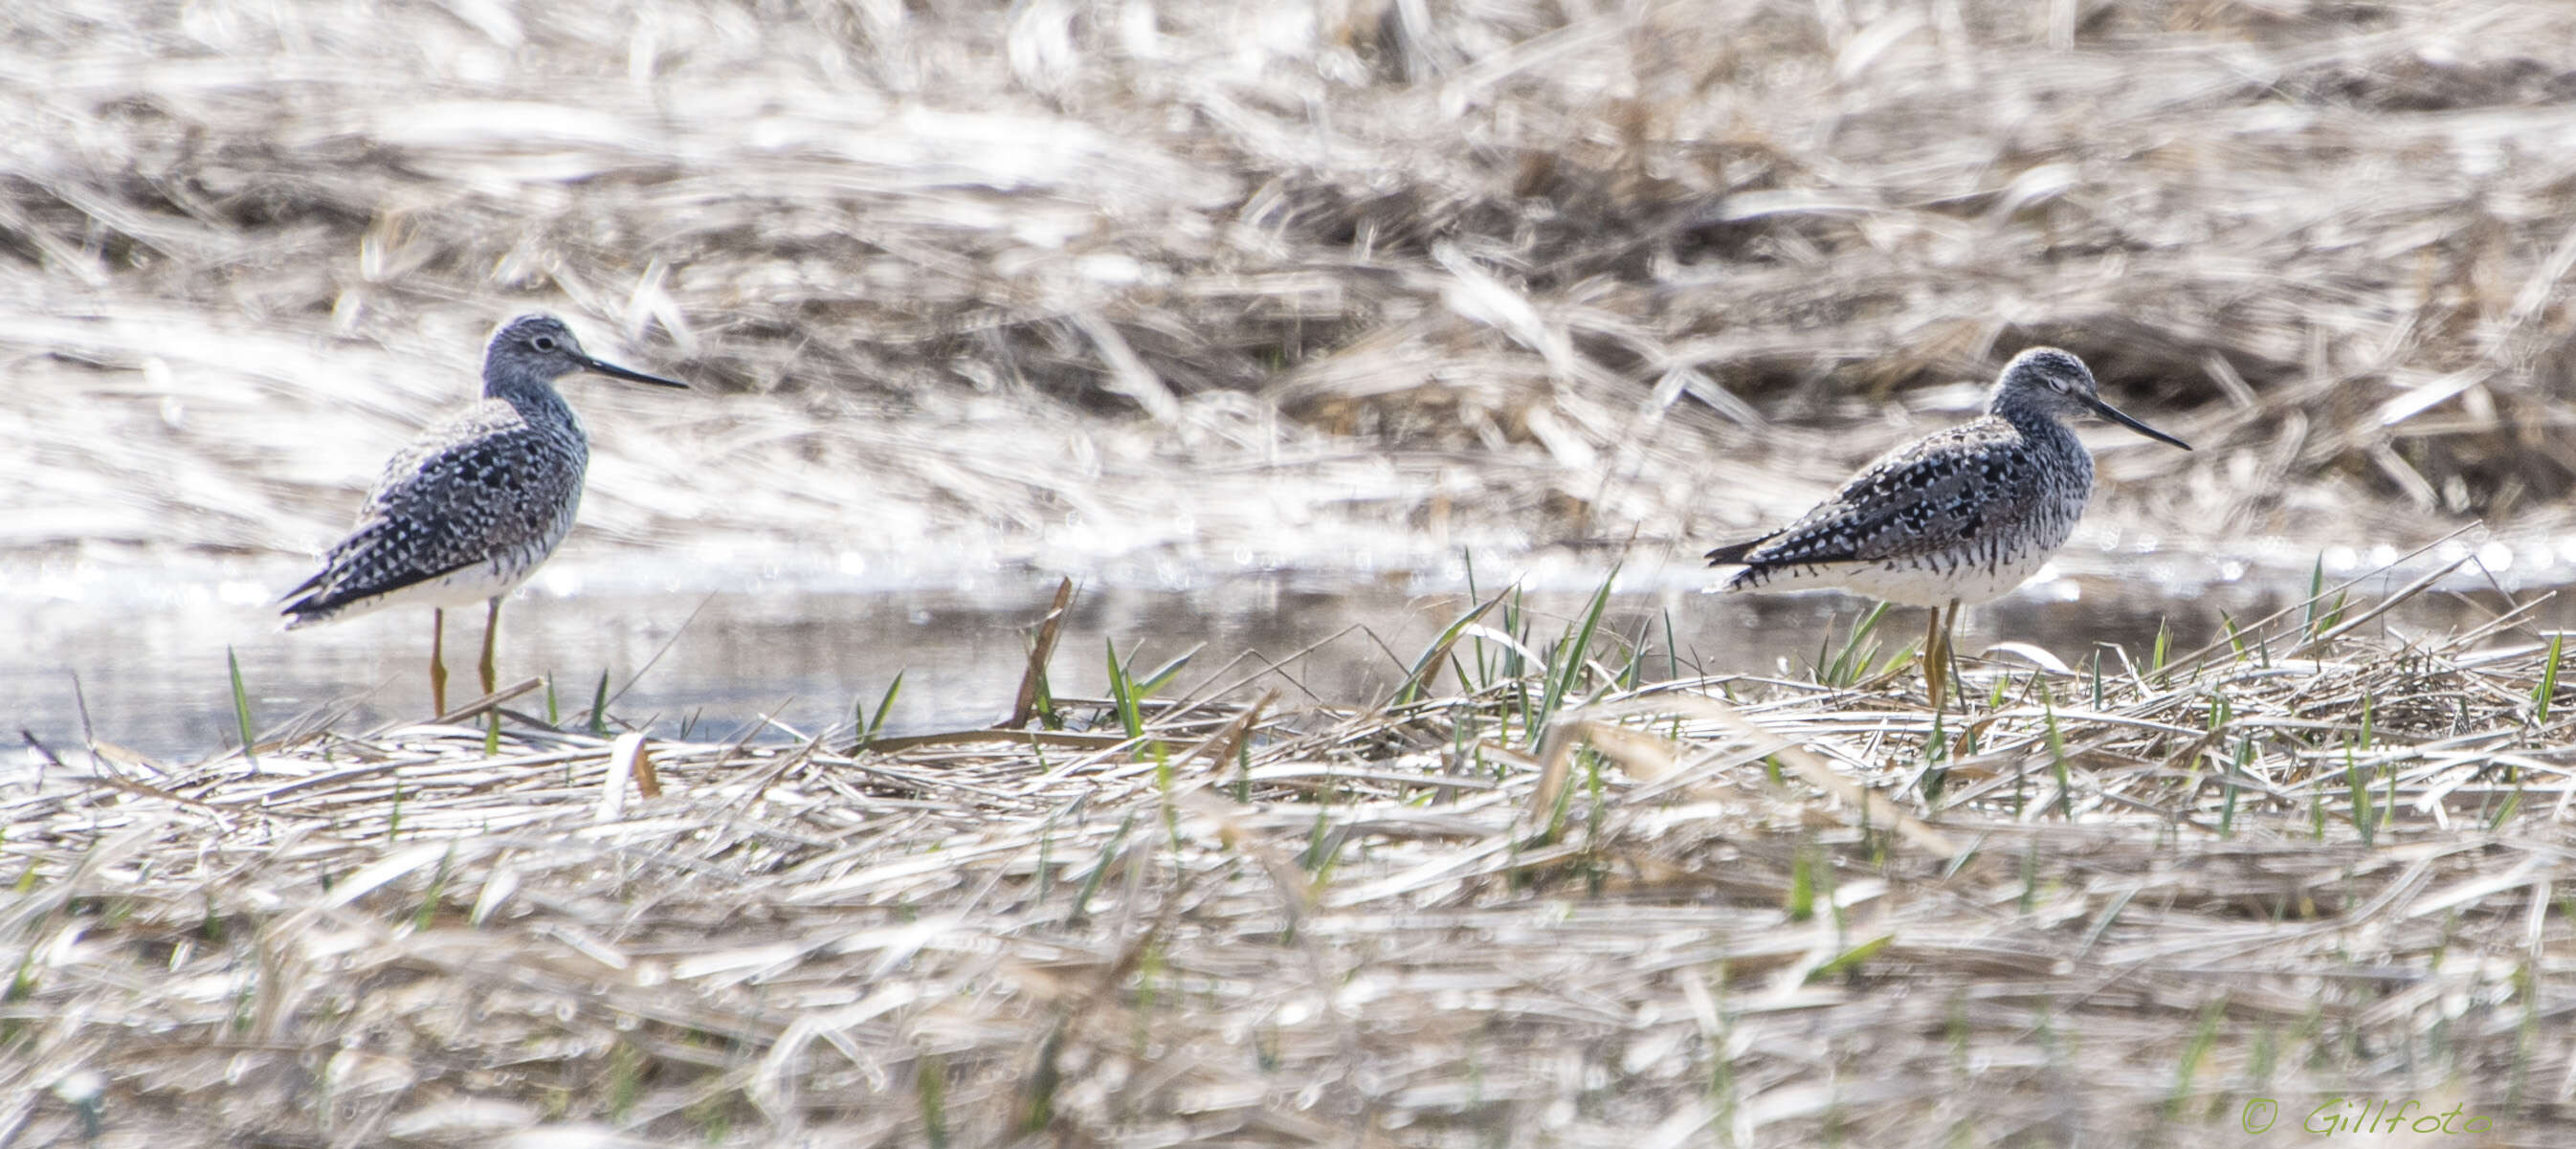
point(543, 343)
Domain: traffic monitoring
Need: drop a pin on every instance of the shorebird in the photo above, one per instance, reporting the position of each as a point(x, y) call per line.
point(472, 506)
point(1959, 516)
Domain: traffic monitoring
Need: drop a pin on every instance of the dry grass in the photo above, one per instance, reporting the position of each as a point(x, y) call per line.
point(1503, 272)
point(2095, 909)
point(1056, 278)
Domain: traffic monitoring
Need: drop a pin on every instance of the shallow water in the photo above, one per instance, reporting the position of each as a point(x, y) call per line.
point(714, 654)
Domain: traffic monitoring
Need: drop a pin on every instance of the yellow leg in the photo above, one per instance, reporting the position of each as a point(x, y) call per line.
point(491, 629)
point(437, 662)
point(1936, 655)
point(1949, 642)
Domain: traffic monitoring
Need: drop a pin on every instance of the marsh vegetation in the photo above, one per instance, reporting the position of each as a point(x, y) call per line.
point(1143, 291)
point(1542, 891)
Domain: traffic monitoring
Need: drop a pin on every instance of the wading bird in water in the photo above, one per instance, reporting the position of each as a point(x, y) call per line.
point(1959, 516)
point(472, 506)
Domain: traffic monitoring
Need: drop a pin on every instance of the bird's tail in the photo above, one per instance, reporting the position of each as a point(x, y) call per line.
point(1729, 554)
point(303, 611)
point(310, 601)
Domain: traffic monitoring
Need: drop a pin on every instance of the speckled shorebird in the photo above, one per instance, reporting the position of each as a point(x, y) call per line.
point(1959, 516)
point(469, 509)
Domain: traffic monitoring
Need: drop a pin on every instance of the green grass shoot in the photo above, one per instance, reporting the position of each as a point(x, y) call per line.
point(599, 708)
point(241, 706)
point(1427, 666)
point(1844, 667)
point(867, 726)
point(1568, 658)
point(2543, 695)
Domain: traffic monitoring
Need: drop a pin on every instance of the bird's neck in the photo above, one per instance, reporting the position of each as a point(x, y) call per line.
point(534, 400)
point(2027, 412)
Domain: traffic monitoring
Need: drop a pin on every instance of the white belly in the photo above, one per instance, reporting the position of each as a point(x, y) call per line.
point(467, 586)
point(1926, 581)
point(462, 587)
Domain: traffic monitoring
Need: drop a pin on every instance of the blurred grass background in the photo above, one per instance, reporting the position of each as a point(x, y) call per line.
point(1049, 280)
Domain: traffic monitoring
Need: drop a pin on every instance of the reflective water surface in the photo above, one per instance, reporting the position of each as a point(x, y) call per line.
point(720, 654)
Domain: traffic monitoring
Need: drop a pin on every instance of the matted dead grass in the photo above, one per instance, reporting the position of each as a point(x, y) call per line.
point(1510, 272)
point(1551, 904)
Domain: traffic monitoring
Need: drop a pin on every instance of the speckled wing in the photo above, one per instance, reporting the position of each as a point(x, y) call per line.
point(1932, 496)
point(481, 487)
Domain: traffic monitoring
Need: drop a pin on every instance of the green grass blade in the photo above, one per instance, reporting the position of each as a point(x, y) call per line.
point(1847, 665)
point(599, 708)
point(1801, 904)
point(1852, 958)
point(2057, 754)
point(1162, 675)
point(1427, 668)
point(2547, 692)
point(869, 726)
point(241, 705)
point(930, 1089)
point(1122, 694)
point(2322, 616)
point(1100, 869)
point(1571, 651)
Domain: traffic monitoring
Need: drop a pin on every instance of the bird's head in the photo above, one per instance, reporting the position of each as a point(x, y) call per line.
point(539, 348)
point(2056, 383)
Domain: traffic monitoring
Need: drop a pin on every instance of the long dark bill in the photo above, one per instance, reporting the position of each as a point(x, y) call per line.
point(2113, 414)
point(614, 371)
